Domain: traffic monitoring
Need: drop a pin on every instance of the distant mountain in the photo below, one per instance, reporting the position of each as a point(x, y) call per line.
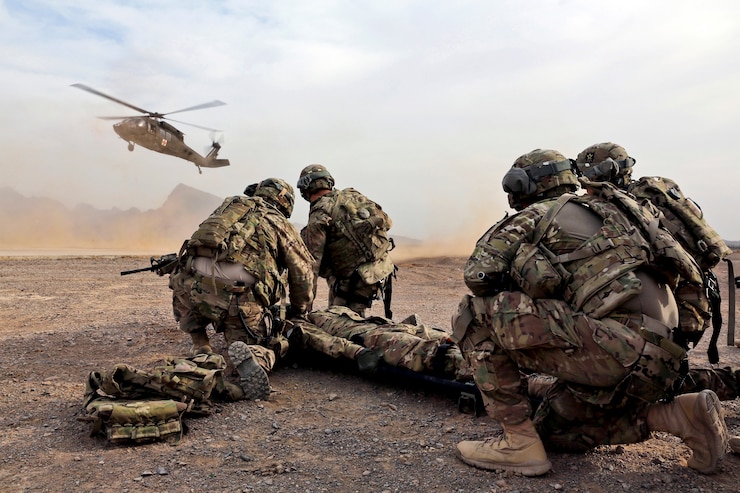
point(33, 223)
point(40, 223)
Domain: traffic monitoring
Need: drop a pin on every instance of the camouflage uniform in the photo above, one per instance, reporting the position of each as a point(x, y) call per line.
point(355, 264)
point(607, 343)
point(339, 331)
point(268, 248)
point(610, 162)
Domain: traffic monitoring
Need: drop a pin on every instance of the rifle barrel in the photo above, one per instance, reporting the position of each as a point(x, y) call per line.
point(134, 271)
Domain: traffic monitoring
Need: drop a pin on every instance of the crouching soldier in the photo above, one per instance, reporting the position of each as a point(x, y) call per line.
point(231, 271)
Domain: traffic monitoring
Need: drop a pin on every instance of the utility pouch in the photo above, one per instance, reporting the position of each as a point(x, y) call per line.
point(137, 421)
point(534, 273)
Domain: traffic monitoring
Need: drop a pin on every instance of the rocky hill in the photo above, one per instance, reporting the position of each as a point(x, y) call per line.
point(40, 223)
point(34, 223)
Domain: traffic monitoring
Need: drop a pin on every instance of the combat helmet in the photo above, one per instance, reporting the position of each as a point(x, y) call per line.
point(606, 162)
point(314, 177)
point(277, 192)
point(537, 175)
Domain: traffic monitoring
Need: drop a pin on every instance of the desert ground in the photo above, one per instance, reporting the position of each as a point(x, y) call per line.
point(322, 430)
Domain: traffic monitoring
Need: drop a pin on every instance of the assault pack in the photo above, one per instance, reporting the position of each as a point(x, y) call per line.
point(215, 235)
point(363, 235)
point(683, 218)
point(126, 404)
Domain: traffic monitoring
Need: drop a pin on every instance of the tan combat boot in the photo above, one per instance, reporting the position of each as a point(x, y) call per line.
point(201, 343)
point(696, 419)
point(519, 450)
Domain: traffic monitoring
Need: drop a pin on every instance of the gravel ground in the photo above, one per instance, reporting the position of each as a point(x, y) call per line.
point(322, 430)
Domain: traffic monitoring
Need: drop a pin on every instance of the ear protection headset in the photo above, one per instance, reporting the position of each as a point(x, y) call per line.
point(523, 181)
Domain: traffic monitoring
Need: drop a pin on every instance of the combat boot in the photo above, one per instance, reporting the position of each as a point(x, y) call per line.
point(252, 377)
point(201, 343)
point(412, 319)
point(519, 450)
point(696, 419)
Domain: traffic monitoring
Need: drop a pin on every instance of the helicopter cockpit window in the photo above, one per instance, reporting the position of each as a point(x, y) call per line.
point(140, 123)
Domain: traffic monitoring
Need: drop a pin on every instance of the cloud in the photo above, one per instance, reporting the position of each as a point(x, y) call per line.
point(421, 106)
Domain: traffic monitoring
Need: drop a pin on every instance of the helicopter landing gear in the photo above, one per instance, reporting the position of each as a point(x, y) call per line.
point(131, 146)
point(200, 171)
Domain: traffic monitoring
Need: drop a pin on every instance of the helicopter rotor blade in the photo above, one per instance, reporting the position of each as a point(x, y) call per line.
point(194, 125)
point(118, 117)
point(103, 95)
point(211, 104)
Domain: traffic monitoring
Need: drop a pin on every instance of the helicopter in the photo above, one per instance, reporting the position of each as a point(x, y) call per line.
point(153, 132)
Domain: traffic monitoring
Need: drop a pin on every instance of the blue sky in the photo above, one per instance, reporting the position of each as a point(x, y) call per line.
point(421, 105)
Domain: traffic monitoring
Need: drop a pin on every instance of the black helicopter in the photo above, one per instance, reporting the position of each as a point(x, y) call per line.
point(153, 132)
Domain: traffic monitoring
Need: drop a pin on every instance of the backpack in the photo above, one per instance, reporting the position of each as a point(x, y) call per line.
point(213, 238)
point(361, 228)
point(683, 218)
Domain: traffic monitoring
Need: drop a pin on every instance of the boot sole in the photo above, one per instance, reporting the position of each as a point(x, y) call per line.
point(530, 469)
point(252, 377)
point(715, 430)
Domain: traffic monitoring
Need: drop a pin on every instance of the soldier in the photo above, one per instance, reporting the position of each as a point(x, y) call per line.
point(610, 162)
point(232, 269)
point(347, 235)
point(409, 344)
point(570, 287)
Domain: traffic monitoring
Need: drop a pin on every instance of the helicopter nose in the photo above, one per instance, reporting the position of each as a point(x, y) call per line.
point(118, 128)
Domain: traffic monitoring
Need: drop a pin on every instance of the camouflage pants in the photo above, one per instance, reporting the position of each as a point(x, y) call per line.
point(725, 382)
point(316, 338)
point(354, 293)
point(607, 372)
point(198, 301)
point(417, 348)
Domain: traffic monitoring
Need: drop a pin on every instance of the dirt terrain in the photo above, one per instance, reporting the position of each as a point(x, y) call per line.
point(321, 430)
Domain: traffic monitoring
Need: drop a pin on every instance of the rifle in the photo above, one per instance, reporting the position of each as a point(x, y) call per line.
point(161, 265)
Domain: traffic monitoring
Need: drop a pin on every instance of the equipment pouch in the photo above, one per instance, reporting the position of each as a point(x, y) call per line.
point(462, 319)
point(375, 271)
point(137, 421)
point(624, 344)
point(534, 273)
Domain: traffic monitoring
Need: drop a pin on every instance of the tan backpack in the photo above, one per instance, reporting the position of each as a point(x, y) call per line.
point(683, 218)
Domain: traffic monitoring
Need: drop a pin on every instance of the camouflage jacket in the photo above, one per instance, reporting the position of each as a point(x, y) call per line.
point(282, 249)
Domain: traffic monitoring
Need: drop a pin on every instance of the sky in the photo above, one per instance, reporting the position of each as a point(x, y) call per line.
point(422, 106)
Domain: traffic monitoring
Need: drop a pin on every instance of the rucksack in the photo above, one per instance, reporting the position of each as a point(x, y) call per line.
point(683, 218)
point(362, 232)
point(213, 238)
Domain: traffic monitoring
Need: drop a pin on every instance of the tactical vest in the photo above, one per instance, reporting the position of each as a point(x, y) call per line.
point(683, 218)
point(129, 404)
point(598, 276)
point(360, 232)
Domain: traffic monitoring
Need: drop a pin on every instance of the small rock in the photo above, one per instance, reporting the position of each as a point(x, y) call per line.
point(162, 471)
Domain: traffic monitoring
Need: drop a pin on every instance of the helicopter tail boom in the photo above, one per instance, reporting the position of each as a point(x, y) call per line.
point(210, 160)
